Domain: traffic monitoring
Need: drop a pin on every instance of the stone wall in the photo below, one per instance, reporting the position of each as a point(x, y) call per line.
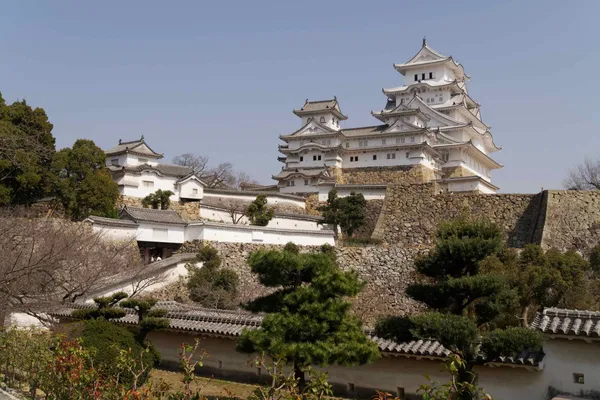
point(413, 212)
point(572, 220)
point(372, 212)
point(456, 172)
point(386, 270)
point(402, 174)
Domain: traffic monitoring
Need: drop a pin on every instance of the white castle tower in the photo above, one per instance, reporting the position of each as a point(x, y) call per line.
point(431, 131)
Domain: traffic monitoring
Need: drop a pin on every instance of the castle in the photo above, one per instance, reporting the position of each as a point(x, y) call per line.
point(431, 130)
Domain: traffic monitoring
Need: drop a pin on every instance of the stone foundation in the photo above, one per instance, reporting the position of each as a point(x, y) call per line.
point(402, 174)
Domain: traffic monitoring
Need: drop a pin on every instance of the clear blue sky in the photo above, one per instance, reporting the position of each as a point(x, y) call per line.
point(220, 78)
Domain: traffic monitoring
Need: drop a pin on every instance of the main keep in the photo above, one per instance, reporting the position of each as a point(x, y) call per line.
point(431, 130)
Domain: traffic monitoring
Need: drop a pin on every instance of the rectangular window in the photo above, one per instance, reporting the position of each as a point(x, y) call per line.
point(391, 156)
point(287, 183)
point(148, 184)
point(579, 378)
point(412, 139)
point(363, 143)
point(423, 76)
point(114, 162)
point(356, 158)
point(301, 158)
point(292, 183)
point(347, 144)
point(142, 161)
point(195, 191)
point(431, 75)
point(351, 158)
point(374, 157)
point(407, 154)
point(314, 158)
point(402, 139)
point(416, 77)
point(306, 182)
point(160, 233)
point(383, 141)
point(319, 158)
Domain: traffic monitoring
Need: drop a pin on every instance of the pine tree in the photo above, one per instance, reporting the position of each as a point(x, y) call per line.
point(469, 306)
point(258, 212)
point(159, 200)
point(346, 212)
point(307, 321)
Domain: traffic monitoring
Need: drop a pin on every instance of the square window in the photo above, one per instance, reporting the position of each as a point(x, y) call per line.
point(195, 191)
point(306, 182)
point(388, 156)
point(115, 162)
point(374, 156)
point(579, 378)
point(148, 184)
point(293, 183)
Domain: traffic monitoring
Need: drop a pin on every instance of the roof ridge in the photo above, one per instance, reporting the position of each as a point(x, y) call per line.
point(362, 127)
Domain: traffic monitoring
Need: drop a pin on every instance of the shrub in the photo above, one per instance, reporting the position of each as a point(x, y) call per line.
point(107, 340)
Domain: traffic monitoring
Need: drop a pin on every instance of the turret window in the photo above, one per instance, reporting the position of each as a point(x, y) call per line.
point(416, 77)
point(315, 158)
point(301, 158)
point(306, 182)
point(374, 157)
point(391, 156)
point(322, 120)
point(423, 76)
point(431, 75)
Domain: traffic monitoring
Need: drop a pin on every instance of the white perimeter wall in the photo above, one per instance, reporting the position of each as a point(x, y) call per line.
point(251, 234)
point(218, 215)
point(271, 198)
point(368, 193)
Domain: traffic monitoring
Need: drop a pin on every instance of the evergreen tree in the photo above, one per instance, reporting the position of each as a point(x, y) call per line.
point(26, 151)
point(159, 200)
point(307, 321)
point(546, 279)
point(469, 305)
point(258, 212)
point(211, 286)
point(82, 183)
point(346, 212)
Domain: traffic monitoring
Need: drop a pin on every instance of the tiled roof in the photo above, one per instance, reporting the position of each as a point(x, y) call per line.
point(190, 318)
point(133, 147)
point(558, 321)
point(318, 106)
point(365, 130)
point(178, 171)
point(210, 191)
point(151, 215)
point(112, 221)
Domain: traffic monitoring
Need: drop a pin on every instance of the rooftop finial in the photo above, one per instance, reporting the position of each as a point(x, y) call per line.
point(424, 41)
point(142, 138)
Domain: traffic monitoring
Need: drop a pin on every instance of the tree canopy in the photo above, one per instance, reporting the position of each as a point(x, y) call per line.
point(82, 183)
point(346, 212)
point(258, 212)
point(26, 151)
point(471, 306)
point(159, 200)
point(307, 321)
point(210, 285)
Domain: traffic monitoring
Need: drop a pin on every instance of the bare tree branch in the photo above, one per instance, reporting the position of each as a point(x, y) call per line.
point(585, 176)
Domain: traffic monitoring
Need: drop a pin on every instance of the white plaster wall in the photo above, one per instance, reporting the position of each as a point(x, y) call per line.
point(186, 190)
point(120, 160)
point(244, 234)
point(271, 198)
point(440, 74)
point(298, 188)
point(277, 222)
point(116, 233)
point(167, 277)
point(175, 233)
point(328, 122)
point(160, 182)
point(369, 193)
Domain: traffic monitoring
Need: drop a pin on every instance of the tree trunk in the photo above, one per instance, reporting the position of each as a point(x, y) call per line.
point(299, 374)
point(525, 316)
